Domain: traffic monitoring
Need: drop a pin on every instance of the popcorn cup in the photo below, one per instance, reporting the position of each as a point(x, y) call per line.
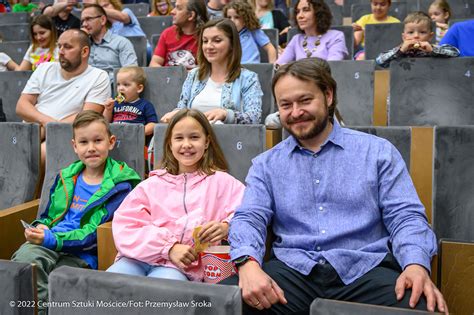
point(217, 264)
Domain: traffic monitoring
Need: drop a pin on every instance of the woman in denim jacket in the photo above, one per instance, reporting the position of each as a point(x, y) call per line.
point(220, 88)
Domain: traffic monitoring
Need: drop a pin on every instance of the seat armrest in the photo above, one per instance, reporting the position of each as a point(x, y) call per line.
point(11, 230)
point(106, 250)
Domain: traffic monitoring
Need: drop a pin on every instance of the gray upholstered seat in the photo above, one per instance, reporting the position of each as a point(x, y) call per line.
point(17, 286)
point(15, 32)
point(139, 9)
point(13, 18)
point(140, 46)
point(19, 163)
point(152, 25)
point(272, 34)
point(355, 93)
point(16, 50)
point(400, 137)
point(13, 82)
point(129, 148)
point(333, 307)
point(155, 38)
point(453, 185)
point(240, 144)
point(144, 294)
point(381, 37)
point(265, 74)
point(432, 91)
point(397, 10)
point(336, 11)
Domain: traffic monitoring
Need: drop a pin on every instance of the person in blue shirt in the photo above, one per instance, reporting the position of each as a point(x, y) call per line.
point(347, 221)
point(461, 36)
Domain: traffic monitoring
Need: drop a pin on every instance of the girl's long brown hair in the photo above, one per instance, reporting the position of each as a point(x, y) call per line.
point(213, 158)
point(45, 22)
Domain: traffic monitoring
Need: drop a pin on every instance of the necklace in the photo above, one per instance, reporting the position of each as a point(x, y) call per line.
point(317, 42)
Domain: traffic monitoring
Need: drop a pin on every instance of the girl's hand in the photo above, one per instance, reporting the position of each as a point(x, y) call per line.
point(34, 235)
point(442, 26)
point(168, 116)
point(42, 227)
point(182, 255)
point(213, 231)
point(216, 114)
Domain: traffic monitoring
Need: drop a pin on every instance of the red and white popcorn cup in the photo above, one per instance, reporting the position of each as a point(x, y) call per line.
point(217, 264)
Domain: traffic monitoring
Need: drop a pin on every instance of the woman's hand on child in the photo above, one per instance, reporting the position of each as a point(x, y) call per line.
point(182, 255)
point(213, 231)
point(168, 116)
point(216, 114)
point(34, 236)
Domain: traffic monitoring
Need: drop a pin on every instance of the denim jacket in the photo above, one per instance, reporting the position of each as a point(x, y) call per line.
point(241, 98)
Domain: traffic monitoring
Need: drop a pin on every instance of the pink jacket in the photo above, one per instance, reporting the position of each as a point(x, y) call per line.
point(165, 209)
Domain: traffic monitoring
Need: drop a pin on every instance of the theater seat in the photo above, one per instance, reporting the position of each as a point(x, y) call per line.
point(140, 46)
point(138, 295)
point(152, 25)
point(14, 82)
point(18, 287)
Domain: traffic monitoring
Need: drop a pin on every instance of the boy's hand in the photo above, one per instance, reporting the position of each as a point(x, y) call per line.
point(34, 236)
point(408, 45)
point(425, 46)
point(213, 231)
point(109, 104)
point(182, 255)
point(42, 227)
point(356, 27)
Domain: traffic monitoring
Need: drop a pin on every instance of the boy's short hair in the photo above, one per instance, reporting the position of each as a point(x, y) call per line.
point(389, 2)
point(417, 17)
point(138, 74)
point(85, 118)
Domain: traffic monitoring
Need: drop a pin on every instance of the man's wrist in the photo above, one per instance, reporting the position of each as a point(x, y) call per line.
point(239, 262)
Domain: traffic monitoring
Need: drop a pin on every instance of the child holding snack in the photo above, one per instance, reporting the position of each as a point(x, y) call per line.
point(128, 107)
point(153, 228)
point(417, 34)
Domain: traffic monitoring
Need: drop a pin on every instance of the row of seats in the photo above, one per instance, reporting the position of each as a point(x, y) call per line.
point(423, 91)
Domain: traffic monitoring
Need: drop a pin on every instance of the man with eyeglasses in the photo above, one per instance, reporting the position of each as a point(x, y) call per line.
point(108, 51)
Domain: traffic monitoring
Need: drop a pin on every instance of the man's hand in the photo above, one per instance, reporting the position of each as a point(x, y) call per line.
point(34, 235)
point(258, 289)
point(417, 278)
point(182, 255)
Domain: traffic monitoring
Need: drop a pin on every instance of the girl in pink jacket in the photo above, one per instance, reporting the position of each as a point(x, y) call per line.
point(153, 226)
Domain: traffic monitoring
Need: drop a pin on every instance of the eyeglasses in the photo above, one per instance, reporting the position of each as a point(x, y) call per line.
point(88, 19)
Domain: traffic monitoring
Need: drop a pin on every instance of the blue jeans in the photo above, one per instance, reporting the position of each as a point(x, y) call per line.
point(134, 267)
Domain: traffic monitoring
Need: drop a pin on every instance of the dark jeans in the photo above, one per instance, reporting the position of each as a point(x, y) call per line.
point(375, 287)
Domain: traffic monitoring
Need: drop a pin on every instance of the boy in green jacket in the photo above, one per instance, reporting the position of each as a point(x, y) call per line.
point(84, 195)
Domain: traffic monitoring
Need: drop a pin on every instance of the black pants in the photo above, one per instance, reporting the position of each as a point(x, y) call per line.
point(375, 287)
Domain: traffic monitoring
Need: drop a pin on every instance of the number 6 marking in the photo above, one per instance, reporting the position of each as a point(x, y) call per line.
point(239, 145)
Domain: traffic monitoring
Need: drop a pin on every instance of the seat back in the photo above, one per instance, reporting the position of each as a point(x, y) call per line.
point(397, 10)
point(139, 45)
point(333, 307)
point(348, 36)
point(16, 50)
point(431, 91)
point(265, 73)
point(15, 32)
point(453, 199)
point(381, 37)
point(14, 82)
point(155, 38)
point(400, 137)
point(336, 11)
point(152, 25)
point(139, 9)
point(60, 154)
point(73, 284)
point(19, 163)
point(355, 89)
point(17, 283)
point(272, 34)
point(14, 18)
point(240, 144)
